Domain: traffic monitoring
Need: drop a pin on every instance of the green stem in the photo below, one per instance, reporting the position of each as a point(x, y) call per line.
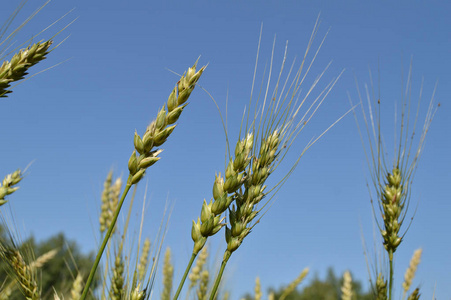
point(182, 282)
point(227, 255)
point(105, 240)
point(390, 285)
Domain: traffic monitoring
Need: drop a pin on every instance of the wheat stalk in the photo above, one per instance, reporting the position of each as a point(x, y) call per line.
point(195, 274)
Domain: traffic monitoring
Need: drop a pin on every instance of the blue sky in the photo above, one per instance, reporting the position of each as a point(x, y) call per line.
point(76, 122)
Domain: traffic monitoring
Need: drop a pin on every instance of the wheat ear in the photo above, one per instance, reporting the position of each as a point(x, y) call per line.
point(410, 272)
point(105, 217)
point(43, 259)
point(77, 287)
point(276, 123)
point(202, 291)
point(55, 296)
point(293, 285)
point(258, 289)
point(392, 181)
point(138, 294)
point(381, 288)
point(7, 187)
point(144, 260)
point(117, 281)
point(156, 134)
point(168, 273)
point(17, 68)
point(211, 221)
point(415, 295)
point(6, 291)
point(346, 289)
point(24, 275)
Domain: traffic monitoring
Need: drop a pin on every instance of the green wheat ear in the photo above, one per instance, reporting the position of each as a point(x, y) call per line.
point(8, 185)
point(20, 63)
point(392, 181)
point(21, 271)
point(381, 288)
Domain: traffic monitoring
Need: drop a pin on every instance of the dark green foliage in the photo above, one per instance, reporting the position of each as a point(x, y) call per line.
point(56, 274)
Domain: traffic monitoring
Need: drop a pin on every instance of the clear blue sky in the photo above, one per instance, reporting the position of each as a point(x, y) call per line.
point(76, 122)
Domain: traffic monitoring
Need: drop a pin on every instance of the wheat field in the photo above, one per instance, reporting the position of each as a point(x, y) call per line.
point(210, 159)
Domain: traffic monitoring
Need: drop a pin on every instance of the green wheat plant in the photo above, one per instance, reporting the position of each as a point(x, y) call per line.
point(146, 153)
point(129, 268)
point(393, 177)
point(256, 167)
point(265, 137)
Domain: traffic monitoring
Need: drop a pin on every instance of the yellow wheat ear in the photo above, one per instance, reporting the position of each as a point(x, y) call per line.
point(293, 285)
point(393, 176)
point(346, 289)
point(410, 272)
